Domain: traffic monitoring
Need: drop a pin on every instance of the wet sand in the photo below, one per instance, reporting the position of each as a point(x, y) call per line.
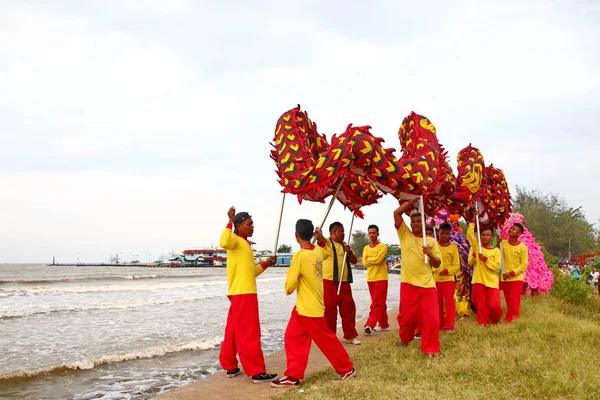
point(219, 387)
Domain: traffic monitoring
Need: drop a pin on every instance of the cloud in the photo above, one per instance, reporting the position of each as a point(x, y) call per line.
point(134, 128)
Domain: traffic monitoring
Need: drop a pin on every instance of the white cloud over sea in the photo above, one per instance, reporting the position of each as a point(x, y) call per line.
point(130, 127)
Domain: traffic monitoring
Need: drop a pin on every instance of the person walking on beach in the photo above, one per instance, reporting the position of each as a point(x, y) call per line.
point(418, 295)
point(377, 280)
point(242, 331)
point(307, 322)
point(444, 278)
point(335, 249)
point(485, 294)
point(516, 259)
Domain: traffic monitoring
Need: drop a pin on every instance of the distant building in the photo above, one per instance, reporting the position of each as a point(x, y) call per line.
point(211, 257)
point(283, 259)
point(205, 257)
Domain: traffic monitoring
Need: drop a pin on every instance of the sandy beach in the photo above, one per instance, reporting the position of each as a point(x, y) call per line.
point(218, 386)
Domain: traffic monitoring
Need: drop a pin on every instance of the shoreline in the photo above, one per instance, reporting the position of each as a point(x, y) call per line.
point(149, 265)
point(219, 387)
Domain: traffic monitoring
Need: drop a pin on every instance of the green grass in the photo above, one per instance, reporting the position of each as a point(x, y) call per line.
point(552, 352)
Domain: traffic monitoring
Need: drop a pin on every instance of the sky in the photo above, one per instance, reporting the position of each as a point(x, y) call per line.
point(130, 127)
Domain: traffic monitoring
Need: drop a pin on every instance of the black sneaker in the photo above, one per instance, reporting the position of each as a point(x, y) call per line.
point(284, 382)
point(232, 373)
point(368, 330)
point(264, 377)
point(418, 336)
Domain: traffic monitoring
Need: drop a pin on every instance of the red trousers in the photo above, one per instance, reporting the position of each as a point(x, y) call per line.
point(297, 340)
point(445, 292)
point(346, 304)
point(487, 302)
point(242, 336)
point(512, 295)
point(417, 303)
point(378, 314)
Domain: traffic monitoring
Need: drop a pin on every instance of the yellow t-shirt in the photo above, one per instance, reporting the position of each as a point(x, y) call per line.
point(305, 276)
point(450, 263)
point(516, 259)
point(414, 269)
point(374, 262)
point(484, 272)
point(328, 261)
point(241, 269)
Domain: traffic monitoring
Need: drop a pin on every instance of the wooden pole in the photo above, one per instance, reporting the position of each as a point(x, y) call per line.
point(422, 211)
point(478, 231)
point(330, 205)
point(279, 226)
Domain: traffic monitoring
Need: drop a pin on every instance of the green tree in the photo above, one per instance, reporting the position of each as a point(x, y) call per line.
point(563, 229)
point(393, 250)
point(284, 248)
point(359, 240)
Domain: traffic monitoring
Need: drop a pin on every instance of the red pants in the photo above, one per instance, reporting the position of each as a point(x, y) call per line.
point(297, 340)
point(512, 296)
point(346, 305)
point(378, 314)
point(417, 303)
point(445, 292)
point(487, 302)
point(242, 336)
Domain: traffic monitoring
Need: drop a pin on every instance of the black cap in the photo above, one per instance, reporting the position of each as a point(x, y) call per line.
point(241, 217)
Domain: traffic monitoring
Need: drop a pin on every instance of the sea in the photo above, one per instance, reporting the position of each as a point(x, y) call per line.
point(89, 332)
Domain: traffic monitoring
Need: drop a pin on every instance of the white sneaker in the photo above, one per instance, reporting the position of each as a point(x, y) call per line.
point(380, 329)
point(353, 341)
point(368, 330)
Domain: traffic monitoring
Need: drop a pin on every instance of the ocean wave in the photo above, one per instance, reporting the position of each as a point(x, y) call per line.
point(88, 364)
point(104, 306)
point(93, 278)
point(111, 288)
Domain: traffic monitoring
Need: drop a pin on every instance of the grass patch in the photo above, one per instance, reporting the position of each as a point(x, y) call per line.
point(551, 352)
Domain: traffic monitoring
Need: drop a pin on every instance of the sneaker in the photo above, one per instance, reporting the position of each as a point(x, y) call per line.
point(347, 375)
point(368, 330)
point(232, 373)
point(264, 377)
point(284, 382)
point(418, 336)
point(403, 345)
point(353, 341)
point(380, 329)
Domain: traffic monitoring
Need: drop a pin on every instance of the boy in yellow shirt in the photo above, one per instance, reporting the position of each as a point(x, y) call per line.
point(307, 321)
point(516, 259)
point(418, 296)
point(335, 249)
point(374, 255)
point(242, 331)
point(485, 294)
point(444, 277)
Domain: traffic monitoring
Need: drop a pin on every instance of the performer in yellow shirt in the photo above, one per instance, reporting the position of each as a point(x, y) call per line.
point(516, 259)
point(307, 321)
point(485, 294)
point(242, 331)
point(335, 249)
point(444, 278)
point(418, 296)
point(374, 255)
